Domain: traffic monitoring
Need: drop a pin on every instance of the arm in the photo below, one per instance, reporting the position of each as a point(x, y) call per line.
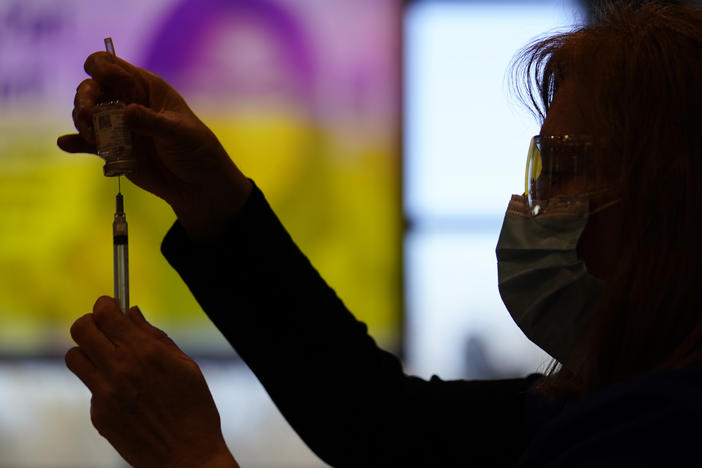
point(349, 400)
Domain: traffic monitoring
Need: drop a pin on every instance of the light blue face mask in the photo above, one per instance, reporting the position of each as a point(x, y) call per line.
point(545, 287)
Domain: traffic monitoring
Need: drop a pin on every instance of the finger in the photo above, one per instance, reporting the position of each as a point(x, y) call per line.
point(87, 95)
point(82, 120)
point(92, 341)
point(101, 65)
point(78, 363)
point(110, 320)
point(145, 121)
point(74, 143)
point(117, 78)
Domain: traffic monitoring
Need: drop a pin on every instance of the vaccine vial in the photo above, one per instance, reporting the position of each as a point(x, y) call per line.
point(113, 139)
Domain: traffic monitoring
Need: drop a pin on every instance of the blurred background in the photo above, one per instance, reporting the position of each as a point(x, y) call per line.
point(383, 133)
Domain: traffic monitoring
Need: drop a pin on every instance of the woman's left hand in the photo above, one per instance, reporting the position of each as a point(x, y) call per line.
point(150, 400)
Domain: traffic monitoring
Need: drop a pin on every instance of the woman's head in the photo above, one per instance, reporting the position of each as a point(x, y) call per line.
point(633, 79)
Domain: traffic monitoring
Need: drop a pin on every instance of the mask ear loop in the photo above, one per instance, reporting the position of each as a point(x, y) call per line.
point(538, 210)
point(604, 207)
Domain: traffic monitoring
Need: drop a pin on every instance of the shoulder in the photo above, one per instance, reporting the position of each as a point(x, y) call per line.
point(649, 420)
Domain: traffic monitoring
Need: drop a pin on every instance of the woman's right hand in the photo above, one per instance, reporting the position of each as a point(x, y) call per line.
point(178, 158)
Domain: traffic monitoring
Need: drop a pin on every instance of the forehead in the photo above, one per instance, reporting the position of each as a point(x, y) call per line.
point(564, 116)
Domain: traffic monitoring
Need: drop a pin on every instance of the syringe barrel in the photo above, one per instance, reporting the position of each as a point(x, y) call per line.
point(121, 262)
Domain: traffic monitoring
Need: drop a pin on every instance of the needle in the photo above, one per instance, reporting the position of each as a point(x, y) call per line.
point(109, 46)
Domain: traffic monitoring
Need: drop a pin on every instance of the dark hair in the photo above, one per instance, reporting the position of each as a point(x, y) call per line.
point(637, 69)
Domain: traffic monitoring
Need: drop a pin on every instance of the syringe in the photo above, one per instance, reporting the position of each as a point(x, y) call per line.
point(121, 256)
point(119, 225)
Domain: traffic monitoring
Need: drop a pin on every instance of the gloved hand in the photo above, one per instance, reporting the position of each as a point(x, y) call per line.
point(178, 158)
point(150, 400)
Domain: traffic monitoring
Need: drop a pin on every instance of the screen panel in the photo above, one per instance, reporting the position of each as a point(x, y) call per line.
point(304, 95)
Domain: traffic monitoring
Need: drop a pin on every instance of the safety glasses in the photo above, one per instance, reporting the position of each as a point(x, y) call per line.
point(565, 166)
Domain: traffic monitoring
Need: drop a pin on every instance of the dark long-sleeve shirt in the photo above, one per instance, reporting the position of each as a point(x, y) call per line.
point(351, 401)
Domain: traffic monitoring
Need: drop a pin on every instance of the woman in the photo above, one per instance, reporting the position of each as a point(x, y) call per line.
point(622, 99)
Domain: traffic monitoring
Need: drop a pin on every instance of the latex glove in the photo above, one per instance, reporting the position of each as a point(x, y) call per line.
point(178, 158)
point(150, 400)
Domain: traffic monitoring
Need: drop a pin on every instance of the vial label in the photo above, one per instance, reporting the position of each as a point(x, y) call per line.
point(112, 137)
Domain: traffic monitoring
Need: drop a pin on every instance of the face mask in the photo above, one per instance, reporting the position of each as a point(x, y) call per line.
point(546, 289)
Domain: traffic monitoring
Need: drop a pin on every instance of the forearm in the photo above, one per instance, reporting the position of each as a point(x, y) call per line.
point(316, 361)
point(349, 400)
point(260, 290)
point(205, 213)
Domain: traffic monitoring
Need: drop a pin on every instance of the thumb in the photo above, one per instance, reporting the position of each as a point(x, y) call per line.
point(135, 314)
point(74, 143)
point(138, 318)
point(145, 121)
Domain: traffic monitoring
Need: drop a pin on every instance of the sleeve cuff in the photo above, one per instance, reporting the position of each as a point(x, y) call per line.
point(176, 246)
